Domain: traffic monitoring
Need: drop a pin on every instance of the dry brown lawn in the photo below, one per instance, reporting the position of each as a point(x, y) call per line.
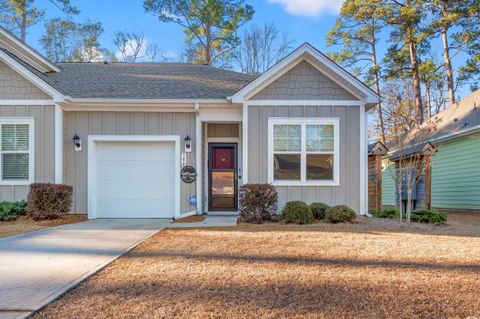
point(371, 269)
point(24, 224)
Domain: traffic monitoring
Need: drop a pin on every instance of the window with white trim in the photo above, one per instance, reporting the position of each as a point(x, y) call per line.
point(16, 151)
point(303, 151)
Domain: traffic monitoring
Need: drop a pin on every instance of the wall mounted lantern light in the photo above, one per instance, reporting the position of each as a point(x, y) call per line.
point(77, 142)
point(188, 144)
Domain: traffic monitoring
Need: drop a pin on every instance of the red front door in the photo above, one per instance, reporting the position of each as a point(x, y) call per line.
point(222, 176)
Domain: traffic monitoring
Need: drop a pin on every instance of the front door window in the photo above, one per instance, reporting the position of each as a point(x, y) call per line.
point(222, 177)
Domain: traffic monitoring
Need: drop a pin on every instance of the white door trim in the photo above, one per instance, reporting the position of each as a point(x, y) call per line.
point(91, 169)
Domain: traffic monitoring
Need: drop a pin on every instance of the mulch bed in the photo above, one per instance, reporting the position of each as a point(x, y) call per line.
point(190, 219)
point(25, 224)
point(371, 269)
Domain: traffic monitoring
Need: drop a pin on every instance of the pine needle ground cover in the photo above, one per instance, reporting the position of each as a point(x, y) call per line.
point(374, 268)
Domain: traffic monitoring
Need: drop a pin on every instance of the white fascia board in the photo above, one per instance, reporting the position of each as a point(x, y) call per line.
point(304, 102)
point(70, 99)
point(28, 52)
point(26, 102)
point(452, 136)
point(141, 105)
point(282, 67)
point(33, 78)
point(446, 138)
point(222, 115)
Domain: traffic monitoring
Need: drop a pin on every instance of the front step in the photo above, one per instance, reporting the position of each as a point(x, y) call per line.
point(226, 213)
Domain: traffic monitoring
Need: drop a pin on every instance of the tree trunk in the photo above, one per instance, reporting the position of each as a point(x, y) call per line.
point(381, 126)
point(23, 26)
point(448, 66)
point(409, 201)
point(429, 100)
point(399, 183)
point(416, 79)
point(208, 47)
point(447, 59)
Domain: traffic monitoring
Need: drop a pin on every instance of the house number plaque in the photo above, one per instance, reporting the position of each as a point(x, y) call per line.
point(188, 174)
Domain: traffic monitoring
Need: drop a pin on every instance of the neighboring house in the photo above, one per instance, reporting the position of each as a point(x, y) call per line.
point(455, 166)
point(300, 126)
point(376, 151)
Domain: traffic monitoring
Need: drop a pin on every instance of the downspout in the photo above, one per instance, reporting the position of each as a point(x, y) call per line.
point(198, 159)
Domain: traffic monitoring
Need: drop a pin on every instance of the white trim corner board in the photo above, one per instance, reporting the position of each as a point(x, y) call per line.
point(58, 144)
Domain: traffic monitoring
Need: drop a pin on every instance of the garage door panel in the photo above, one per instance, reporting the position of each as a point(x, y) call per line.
point(135, 190)
point(143, 208)
point(117, 150)
point(134, 170)
point(135, 179)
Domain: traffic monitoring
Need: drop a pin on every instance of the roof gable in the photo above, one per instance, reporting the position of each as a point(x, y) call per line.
point(304, 82)
point(321, 62)
point(14, 86)
point(27, 54)
point(377, 148)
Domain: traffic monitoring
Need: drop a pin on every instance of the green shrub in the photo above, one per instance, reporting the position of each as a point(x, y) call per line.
point(340, 214)
point(297, 212)
point(429, 217)
point(258, 202)
point(319, 210)
point(49, 201)
point(9, 211)
point(387, 213)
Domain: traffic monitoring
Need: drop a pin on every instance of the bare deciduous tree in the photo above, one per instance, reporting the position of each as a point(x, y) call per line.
point(410, 145)
point(261, 47)
point(152, 51)
point(129, 45)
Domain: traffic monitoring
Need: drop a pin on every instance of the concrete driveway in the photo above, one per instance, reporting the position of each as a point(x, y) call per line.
point(38, 267)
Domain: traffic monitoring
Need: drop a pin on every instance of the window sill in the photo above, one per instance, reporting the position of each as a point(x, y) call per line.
point(307, 183)
point(15, 183)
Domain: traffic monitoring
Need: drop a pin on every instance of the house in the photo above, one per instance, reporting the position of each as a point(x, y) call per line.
point(163, 140)
point(452, 176)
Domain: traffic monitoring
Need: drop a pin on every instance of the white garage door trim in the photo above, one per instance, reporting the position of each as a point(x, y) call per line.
point(93, 139)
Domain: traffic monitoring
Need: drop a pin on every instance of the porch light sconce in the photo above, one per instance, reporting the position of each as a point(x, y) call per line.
point(77, 142)
point(188, 144)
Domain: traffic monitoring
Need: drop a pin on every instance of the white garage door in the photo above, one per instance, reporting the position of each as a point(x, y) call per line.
point(135, 179)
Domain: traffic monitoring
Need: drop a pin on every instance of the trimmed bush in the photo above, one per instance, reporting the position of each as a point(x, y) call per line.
point(258, 202)
point(429, 217)
point(319, 210)
point(9, 211)
point(49, 201)
point(297, 212)
point(387, 213)
point(340, 214)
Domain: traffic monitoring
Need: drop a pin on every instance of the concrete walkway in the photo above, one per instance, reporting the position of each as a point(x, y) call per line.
point(36, 268)
point(209, 221)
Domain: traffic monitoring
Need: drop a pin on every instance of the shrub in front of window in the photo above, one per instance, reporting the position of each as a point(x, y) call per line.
point(49, 201)
point(258, 202)
point(387, 213)
point(319, 210)
point(9, 211)
point(429, 217)
point(340, 214)
point(297, 212)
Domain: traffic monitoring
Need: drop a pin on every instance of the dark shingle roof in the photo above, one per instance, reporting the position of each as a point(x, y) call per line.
point(146, 81)
point(457, 118)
